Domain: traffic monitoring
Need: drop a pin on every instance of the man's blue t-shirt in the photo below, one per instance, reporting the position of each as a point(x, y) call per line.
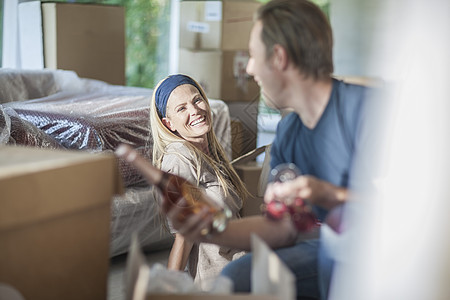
point(327, 150)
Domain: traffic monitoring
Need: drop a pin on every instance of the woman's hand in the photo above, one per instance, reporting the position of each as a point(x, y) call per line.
point(193, 227)
point(307, 187)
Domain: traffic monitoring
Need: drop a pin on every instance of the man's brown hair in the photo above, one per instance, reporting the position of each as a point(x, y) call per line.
point(301, 28)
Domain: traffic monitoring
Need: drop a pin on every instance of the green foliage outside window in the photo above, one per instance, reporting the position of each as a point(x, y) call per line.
point(147, 39)
point(323, 4)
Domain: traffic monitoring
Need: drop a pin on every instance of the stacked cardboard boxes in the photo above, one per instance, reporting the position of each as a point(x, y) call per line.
point(250, 174)
point(214, 39)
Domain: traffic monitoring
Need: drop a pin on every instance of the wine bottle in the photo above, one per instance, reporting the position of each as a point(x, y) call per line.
point(299, 210)
point(173, 188)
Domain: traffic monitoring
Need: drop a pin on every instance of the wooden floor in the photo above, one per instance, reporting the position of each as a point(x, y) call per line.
point(117, 269)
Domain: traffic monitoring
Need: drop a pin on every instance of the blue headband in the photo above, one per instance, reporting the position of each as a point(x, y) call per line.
point(166, 88)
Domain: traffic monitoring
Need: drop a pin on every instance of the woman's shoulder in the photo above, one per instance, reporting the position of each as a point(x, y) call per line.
point(178, 157)
point(176, 146)
point(177, 149)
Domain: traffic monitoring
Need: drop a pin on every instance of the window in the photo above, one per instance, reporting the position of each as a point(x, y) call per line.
point(147, 41)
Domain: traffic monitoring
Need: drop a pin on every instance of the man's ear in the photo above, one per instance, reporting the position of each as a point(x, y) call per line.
point(168, 124)
point(279, 57)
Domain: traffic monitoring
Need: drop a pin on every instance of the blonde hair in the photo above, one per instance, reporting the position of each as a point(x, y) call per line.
point(162, 137)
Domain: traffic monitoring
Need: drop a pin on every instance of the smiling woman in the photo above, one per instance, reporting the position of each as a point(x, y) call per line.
point(188, 115)
point(185, 145)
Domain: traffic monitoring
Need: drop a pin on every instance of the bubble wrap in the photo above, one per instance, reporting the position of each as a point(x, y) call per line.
point(16, 131)
point(138, 210)
point(92, 122)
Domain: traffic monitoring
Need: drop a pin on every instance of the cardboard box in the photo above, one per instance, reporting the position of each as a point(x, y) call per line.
point(86, 38)
point(138, 275)
point(55, 222)
point(221, 73)
point(216, 25)
point(254, 175)
point(250, 174)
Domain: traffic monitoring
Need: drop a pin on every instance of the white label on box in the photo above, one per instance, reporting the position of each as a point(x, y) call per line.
point(198, 27)
point(213, 11)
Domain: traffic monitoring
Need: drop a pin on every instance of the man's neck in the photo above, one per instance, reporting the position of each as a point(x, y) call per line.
point(309, 98)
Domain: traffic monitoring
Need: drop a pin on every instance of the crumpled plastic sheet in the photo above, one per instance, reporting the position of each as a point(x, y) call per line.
point(16, 131)
point(20, 84)
point(5, 127)
point(137, 210)
point(93, 116)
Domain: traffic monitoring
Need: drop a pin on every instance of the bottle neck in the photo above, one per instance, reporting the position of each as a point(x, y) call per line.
point(163, 181)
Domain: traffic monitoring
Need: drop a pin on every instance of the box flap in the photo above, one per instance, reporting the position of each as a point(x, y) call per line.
point(249, 156)
point(270, 276)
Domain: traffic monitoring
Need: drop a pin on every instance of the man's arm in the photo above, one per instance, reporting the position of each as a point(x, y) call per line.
point(237, 234)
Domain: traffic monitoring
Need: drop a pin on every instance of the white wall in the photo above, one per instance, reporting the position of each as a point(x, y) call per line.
point(400, 246)
point(174, 35)
point(354, 26)
point(22, 35)
point(10, 58)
